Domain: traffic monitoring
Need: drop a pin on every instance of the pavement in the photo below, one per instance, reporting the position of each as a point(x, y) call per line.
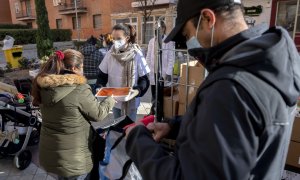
point(34, 172)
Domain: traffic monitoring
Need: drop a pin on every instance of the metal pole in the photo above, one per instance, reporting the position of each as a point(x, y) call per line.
point(77, 24)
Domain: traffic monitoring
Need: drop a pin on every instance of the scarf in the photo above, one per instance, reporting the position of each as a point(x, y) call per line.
point(126, 59)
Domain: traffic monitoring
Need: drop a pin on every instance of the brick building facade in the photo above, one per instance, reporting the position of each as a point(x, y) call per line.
point(5, 17)
point(93, 15)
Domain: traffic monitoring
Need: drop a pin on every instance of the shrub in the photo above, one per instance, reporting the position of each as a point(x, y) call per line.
point(14, 26)
point(61, 35)
point(28, 36)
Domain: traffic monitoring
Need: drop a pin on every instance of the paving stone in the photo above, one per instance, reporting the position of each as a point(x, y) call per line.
point(40, 177)
point(27, 177)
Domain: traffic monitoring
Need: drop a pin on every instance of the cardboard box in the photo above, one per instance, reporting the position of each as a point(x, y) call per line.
point(168, 101)
point(195, 75)
point(293, 158)
point(296, 130)
point(181, 109)
point(190, 94)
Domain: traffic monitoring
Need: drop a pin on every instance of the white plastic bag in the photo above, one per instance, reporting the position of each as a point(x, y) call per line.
point(8, 42)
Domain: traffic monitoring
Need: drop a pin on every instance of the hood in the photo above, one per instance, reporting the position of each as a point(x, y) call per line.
point(56, 87)
point(271, 56)
point(88, 49)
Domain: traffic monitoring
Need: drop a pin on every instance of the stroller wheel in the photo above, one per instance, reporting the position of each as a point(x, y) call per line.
point(23, 159)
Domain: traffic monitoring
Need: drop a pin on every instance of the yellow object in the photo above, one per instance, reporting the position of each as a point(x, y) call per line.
point(176, 69)
point(13, 56)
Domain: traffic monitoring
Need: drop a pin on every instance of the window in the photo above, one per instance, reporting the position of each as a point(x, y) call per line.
point(134, 20)
point(286, 15)
point(28, 8)
point(58, 23)
point(149, 32)
point(75, 23)
point(97, 21)
point(17, 7)
point(119, 21)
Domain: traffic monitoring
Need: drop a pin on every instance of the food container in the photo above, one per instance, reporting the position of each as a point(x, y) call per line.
point(120, 94)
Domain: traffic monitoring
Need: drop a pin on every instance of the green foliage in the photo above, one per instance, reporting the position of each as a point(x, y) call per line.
point(28, 36)
point(14, 26)
point(43, 37)
point(61, 35)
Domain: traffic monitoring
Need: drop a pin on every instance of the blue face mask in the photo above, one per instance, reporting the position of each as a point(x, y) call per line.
point(193, 42)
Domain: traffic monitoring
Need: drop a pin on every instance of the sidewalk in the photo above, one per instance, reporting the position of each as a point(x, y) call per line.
point(9, 172)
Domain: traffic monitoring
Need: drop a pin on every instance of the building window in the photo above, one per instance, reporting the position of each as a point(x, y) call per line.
point(119, 21)
point(75, 23)
point(59, 24)
point(286, 15)
point(97, 21)
point(28, 8)
point(17, 7)
point(149, 32)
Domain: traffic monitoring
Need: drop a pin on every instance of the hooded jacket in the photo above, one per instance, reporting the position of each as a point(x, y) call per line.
point(67, 104)
point(238, 126)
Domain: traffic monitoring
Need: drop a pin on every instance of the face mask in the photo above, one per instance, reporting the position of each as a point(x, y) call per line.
point(119, 44)
point(193, 42)
point(200, 53)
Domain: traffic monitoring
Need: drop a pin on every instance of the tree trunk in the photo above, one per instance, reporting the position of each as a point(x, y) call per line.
point(144, 30)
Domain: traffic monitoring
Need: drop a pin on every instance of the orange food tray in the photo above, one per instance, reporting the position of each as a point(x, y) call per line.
point(119, 93)
point(124, 91)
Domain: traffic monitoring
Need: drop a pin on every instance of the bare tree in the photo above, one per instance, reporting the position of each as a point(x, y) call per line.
point(146, 6)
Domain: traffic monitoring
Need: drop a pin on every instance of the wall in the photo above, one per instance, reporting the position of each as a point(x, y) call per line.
point(5, 17)
point(266, 14)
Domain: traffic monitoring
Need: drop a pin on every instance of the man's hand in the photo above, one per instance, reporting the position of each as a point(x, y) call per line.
point(159, 130)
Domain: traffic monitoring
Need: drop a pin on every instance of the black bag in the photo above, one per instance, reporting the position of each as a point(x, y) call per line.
point(98, 144)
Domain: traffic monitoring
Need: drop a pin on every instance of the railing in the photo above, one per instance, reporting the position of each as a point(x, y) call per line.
point(25, 14)
point(71, 6)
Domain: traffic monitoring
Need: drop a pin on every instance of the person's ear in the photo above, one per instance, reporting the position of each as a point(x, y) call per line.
point(209, 17)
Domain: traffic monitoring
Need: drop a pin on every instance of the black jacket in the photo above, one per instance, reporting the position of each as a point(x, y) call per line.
point(239, 124)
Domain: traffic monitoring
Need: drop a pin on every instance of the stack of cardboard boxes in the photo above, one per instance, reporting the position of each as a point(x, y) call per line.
point(293, 158)
point(189, 84)
point(187, 89)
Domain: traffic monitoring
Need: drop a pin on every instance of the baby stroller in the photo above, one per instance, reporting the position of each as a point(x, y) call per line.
point(20, 125)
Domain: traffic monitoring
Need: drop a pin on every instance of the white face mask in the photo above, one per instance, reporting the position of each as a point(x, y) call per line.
point(120, 44)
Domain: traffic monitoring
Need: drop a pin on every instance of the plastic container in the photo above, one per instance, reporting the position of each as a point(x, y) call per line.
point(13, 56)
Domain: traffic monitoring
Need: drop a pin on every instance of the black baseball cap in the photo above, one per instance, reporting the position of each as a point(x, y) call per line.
point(186, 9)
